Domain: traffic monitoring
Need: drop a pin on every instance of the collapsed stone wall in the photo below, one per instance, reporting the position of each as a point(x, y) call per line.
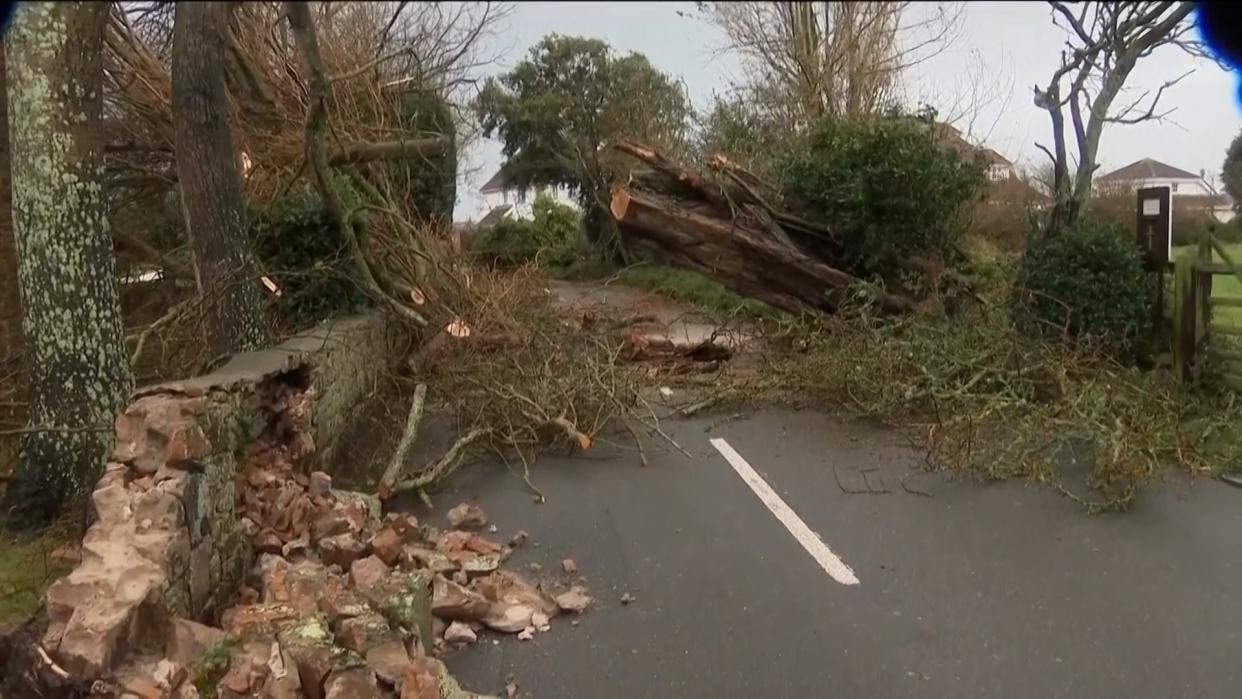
point(166, 540)
point(221, 562)
point(166, 505)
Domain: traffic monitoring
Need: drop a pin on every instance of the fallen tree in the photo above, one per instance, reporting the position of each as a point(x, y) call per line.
point(751, 261)
point(735, 228)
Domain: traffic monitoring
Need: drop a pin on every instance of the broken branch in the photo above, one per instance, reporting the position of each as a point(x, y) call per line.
point(390, 150)
point(396, 464)
point(443, 466)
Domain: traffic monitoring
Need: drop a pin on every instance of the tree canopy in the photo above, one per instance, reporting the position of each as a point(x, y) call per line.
point(559, 109)
point(1231, 172)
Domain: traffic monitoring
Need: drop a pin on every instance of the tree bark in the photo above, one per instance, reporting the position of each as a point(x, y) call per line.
point(79, 376)
point(10, 297)
point(310, 63)
point(751, 262)
point(211, 191)
point(390, 150)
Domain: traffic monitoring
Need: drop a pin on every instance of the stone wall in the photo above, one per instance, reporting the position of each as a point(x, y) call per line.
point(345, 359)
point(167, 541)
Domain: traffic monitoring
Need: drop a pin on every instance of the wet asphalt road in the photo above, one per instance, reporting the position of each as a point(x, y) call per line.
point(965, 590)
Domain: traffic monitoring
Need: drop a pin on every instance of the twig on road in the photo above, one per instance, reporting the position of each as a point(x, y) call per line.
point(869, 490)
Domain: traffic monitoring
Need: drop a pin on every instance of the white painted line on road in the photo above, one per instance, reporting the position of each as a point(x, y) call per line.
point(829, 561)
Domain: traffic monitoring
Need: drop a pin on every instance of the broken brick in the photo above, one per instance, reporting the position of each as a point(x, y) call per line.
point(455, 602)
point(342, 549)
point(467, 516)
point(387, 545)
point(368, 573)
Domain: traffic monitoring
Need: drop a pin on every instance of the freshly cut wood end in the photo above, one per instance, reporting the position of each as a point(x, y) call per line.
point(620, 202)
point(458, 329)
point(271, 285)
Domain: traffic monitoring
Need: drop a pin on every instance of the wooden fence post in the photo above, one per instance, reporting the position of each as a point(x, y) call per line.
point(1185, 313)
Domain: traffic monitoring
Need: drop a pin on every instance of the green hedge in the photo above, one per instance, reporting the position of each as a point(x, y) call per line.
point(428, 185)
point(301, 249)
point(1087, 282)
point(886, 186)
point(552, 238)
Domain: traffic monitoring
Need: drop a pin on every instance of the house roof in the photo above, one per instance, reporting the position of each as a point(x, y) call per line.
point(494, 216)
point(991, 157)
point(952, 137)
point(1147, 169)
point(498, 182)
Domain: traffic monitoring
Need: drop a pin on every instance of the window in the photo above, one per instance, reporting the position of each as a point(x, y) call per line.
point(521, 196)
point(1174, 187)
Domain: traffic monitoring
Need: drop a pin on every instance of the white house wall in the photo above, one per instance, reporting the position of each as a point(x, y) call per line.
point(522, 205)
point(1181, 186)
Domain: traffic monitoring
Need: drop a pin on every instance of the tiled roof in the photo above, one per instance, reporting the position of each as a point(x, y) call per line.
point(1147, 169)
point(494, 216)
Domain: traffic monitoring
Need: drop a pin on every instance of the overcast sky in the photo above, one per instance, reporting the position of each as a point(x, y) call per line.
point(1001, 51)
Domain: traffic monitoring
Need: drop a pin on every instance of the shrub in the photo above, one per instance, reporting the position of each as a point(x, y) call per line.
point(428, 186)
point(301, 249)
point(885, 185)
point(551, 238)
point(1087, 282)
point(740, 128)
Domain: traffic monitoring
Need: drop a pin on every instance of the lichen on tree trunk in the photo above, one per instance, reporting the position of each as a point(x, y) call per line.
point(211, 191)
point(10, 298)
point(79, 376)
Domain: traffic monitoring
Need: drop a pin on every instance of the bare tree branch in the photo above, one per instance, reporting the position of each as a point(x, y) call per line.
point(1106, 40)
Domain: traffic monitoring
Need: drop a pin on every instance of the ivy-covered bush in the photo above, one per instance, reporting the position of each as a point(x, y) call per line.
point(301, 249)
point(428, 186)
point(552, 237)
point(886, 186)
point(1087, 282)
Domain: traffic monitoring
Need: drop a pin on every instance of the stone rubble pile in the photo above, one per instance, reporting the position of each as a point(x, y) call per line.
point(332, 600)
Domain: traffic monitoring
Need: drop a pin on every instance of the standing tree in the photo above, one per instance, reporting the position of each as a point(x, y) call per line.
point(559, 110)
point(211, 192)
point(79, 376)
point(1231, 171)
point(10, 297)
point(1106, 41)
point(807, 60)
point(750, 136)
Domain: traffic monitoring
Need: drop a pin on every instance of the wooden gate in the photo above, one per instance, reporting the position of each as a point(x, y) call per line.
point(1207, 330)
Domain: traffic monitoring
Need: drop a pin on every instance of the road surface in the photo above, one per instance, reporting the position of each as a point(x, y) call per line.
point(962, 589)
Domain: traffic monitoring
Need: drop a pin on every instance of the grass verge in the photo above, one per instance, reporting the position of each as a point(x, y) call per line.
point(682, 285)
point(27, 567)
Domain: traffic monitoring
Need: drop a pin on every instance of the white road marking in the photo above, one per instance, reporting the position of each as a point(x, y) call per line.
point(829, 561)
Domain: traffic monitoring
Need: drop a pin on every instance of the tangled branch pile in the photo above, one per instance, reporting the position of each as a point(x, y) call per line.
point(993, 402)
point(377, 101)
point(742, 231)
point(521, 377)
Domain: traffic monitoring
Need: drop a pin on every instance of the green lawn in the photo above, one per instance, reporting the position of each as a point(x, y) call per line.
point(27, 567)
point(1224, 285)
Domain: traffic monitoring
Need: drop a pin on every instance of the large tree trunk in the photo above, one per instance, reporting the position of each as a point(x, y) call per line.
point(211, 192)
point(10, 298)
point(750, 261)
point(79, 376)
